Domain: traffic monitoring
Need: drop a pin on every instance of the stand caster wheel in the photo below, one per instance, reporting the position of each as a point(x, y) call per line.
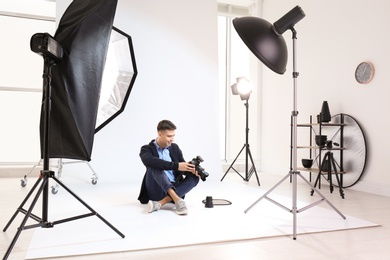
point(23, 182)
point(94, 180)
point(54, 190)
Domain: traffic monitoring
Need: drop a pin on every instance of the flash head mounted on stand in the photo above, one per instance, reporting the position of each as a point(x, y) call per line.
point(45, 45)
point(288, 20)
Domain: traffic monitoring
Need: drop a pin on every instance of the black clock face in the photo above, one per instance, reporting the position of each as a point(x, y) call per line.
point(364, 72)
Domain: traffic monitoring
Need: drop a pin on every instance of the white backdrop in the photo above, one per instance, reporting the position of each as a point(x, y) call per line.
point(175, 45)
point(176, 50)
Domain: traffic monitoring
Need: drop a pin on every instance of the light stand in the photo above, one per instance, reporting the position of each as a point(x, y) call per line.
point(50, 59)
point(277, 62)
point(248, 154)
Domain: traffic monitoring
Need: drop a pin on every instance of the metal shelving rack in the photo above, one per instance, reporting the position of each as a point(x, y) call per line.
point(339, 127)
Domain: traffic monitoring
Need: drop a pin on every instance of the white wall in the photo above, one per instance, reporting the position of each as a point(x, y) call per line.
point(175, 45)
point(333, 38)
point(20, 85)
point(176, 50)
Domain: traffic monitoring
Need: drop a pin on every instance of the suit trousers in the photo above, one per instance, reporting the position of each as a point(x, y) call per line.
point(158, 184)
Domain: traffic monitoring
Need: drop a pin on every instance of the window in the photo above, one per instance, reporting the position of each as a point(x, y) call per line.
point(234, 61)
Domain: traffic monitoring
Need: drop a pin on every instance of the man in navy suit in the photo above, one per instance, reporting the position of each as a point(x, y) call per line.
point(168, 176)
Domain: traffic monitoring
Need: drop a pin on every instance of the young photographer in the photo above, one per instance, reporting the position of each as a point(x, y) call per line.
point(168, 177)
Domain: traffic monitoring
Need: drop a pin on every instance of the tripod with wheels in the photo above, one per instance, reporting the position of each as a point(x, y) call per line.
point(248, 154)
point(294, 173)
point(328, 164)
point(42, 184)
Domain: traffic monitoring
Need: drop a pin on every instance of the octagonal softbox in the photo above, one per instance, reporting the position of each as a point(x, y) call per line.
point(85, 34)
point(118, 78)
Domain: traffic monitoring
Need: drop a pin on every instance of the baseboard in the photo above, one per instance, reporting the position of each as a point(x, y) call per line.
point(12, 170)
point(238, 166)
point(360, 186)
point(273, 170)
point(371, 188)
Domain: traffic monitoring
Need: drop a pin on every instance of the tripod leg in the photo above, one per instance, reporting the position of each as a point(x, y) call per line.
point(329, 165)
point(253, 169)
point(317, 179)
point(20, 208)
point(231, 165)
point(268, 192)
point(322, 196)
point(337, 178)
point(319, 174)
point(88, 207)
point(28, 214)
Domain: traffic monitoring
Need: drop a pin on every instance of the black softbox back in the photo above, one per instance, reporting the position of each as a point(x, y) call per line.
point(83, 32)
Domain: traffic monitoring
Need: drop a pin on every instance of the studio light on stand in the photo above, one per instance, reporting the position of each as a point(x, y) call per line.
point(243, 88)
point(268, 45)
point(74, 62)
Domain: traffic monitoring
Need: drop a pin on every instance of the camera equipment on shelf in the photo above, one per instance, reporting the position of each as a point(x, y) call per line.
point(329, 144)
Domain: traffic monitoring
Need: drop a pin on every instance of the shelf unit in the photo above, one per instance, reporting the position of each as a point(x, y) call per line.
point(318, 129)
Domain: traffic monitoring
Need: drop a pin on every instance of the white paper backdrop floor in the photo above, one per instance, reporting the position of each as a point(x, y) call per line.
point(117, 203)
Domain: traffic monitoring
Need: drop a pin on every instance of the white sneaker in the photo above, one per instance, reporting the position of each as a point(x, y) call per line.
point(153, 206)
point(181, 208)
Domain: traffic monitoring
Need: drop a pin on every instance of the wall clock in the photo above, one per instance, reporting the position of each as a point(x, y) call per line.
point(364, 72)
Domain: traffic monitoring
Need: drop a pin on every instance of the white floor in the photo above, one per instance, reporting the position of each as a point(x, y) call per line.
point(365, 243)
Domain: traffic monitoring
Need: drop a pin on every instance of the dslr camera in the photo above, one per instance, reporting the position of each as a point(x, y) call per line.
point(202, 173)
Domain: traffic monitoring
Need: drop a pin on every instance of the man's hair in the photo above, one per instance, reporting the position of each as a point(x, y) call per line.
point(165, 125)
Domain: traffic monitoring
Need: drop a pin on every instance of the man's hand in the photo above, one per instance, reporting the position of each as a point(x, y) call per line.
point(187, 167)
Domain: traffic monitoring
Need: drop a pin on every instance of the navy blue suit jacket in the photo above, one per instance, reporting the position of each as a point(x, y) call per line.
point(149, 157)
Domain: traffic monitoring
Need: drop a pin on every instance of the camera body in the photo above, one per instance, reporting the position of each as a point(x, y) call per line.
point(202, 173)
point(329, 144)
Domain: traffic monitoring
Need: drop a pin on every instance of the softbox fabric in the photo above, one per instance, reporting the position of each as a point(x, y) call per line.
point(119, 75)
point(84, 33)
